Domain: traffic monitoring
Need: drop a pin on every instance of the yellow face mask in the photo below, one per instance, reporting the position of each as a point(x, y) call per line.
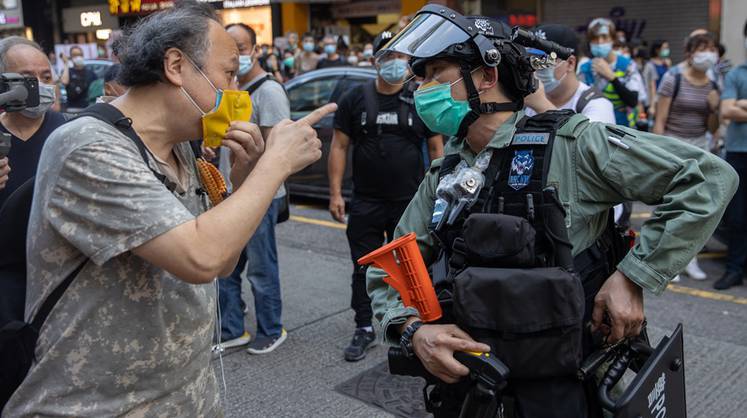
point(230, 106)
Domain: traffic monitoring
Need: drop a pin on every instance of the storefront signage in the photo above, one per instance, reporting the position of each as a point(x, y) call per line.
point(141, 7)
point(87, 19)
point(11, 16)
point(365, 8)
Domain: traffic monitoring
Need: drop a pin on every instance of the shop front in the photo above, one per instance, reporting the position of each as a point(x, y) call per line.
point(88, 24)
point(11, 19)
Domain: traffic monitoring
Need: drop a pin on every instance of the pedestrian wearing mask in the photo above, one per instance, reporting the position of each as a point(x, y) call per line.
point(332, 58)
point(561, 87)
point(734, 109)
point(288, 65)
point(366, 56)
point(654, 71)
point(379, 121)
point(292, 38)
point(28, 130)
point(126, 217)
point(613, 74)
point(76, 79)
point(30, 127)
point(307, 60)
point(260, 257)
point(353, 58)
point(684, 104)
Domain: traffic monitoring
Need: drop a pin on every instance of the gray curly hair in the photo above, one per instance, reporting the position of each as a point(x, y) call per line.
point(142, 48)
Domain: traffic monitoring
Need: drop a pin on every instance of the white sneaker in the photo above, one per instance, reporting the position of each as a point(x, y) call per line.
point(694, 271)
point(236, 342)
point(676, 279)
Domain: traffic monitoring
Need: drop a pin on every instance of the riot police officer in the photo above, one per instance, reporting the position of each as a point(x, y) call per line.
point(519, 205)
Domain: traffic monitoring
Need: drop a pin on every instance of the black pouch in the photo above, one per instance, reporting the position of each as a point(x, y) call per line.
point(531, 318)
point(497, 240)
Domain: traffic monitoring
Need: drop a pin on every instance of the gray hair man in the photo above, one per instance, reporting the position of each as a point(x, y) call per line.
point(30, 127)
point(132, 334)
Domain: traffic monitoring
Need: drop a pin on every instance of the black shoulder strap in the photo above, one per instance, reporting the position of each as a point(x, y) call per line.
point(448, 165)
point(677, 82)
point(586, 97)
point(54, 297)
point(111, 115)
point(371, 102)
point(253, 87)
point(268, 77)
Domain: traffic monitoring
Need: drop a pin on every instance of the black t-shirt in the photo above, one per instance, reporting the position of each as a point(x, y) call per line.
point(24, 155)
point(327, 63)
point(77, 88)
point(388, 166)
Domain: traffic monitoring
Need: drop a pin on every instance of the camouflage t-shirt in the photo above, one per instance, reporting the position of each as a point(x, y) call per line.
point(126, 338)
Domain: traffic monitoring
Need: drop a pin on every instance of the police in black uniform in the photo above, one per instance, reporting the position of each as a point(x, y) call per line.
point(519, 211)
point(378, 119)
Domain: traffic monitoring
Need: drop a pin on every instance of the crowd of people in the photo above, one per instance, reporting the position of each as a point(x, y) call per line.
point(118, 192)
point(311, 52)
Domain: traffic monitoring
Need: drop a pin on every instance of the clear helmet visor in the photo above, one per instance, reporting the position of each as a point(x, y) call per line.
point(426, 36)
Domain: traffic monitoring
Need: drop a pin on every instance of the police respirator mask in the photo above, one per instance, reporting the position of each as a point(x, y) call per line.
point(473, 42)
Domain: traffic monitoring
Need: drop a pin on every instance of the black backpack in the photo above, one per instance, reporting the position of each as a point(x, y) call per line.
point(18, 337)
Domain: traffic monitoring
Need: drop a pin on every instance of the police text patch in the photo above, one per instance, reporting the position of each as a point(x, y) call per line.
point(531, 138)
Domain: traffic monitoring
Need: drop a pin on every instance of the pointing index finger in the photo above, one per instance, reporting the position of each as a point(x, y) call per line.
point(314, 117)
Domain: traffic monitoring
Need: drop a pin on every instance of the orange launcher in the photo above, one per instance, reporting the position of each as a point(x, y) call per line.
point(402, 262)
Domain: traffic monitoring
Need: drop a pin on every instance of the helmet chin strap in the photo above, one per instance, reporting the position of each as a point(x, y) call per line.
point(477, 108)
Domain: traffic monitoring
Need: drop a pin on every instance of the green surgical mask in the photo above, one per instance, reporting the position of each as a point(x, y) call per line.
point(438, 110)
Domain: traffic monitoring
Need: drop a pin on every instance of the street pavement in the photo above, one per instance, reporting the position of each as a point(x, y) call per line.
point(298, 379)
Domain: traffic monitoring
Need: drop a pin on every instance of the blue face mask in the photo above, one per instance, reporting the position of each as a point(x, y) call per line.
point(308, 46)
point(245, 64)
point(438, 110)
point(394, 70)
point(330, 49)
point(601, 50)
point(547, 77)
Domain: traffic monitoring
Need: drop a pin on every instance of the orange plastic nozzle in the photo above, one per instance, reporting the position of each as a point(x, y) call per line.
point(407, 273)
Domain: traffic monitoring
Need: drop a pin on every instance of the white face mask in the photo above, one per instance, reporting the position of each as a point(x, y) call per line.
point(47, 95)
point(704, 60)
point(79, 61)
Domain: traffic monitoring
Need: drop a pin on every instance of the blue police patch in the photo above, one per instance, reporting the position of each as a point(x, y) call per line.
point(521, 169)
point(531, 138)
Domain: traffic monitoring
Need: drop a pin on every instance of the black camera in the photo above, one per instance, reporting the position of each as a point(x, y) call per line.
point(17, 92)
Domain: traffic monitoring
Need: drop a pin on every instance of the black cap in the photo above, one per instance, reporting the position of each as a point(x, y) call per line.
point(382, 39)
point(560, 34)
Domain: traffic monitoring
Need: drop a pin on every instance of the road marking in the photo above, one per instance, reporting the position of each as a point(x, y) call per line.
point(704, 256)
point(302, 207)
point(705, 294)
point(319, 222)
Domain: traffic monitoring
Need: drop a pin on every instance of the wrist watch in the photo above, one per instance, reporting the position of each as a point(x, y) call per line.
point(405, 342)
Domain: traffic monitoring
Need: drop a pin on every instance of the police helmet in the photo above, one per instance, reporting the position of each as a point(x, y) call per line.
point(438, 32)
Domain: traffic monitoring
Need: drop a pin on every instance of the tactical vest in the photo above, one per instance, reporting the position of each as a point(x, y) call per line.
point(512, 282)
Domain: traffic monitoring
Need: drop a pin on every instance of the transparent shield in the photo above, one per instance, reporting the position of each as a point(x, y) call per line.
point(426, 36)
